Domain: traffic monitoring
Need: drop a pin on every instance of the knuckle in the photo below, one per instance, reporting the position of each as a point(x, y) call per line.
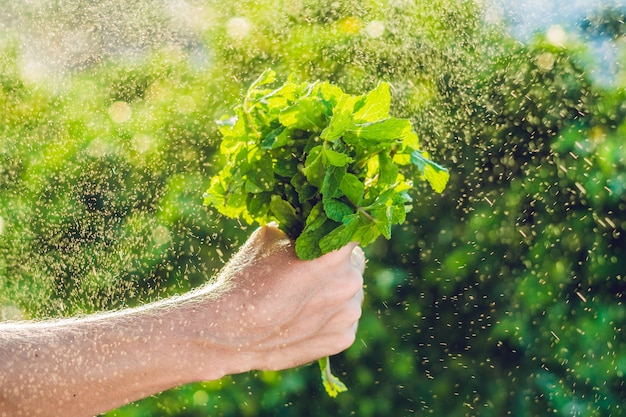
point(353, 312)
point(346, 340)
point(356, 283)
point(352, 279)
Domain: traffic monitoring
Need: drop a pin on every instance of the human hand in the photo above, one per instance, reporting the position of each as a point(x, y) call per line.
point(275, 311)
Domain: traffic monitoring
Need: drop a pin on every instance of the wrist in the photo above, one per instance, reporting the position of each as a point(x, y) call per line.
point(207, 343)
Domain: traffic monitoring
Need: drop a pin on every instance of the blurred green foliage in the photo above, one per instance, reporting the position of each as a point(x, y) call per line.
point(503, 296)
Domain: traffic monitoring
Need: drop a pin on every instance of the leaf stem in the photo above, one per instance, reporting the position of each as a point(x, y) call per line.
point(365, 213)
point(246, 111)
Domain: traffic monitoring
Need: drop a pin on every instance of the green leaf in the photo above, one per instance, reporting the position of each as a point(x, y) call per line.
point(286, 166)
point(216, 192)
point(330, 93)
point(410, 140)
point(367, 232)
point(305, 114)
point(388, 170)
point(341, 236)
point(352, 187)
point(283, 139)
point(234, 137)
point(317, 226)
point(376, 106)
point(314, 169)
point(280, 98)
point(219, 196)
point(341, 119)
point(400, 206)
point(259, 173)
point(276, 138)
point(382, 218)
point(331, 383)
point(381, 132)
point(284, 213)
point(337, 210)
point(259, 203)
point(267, 77)
point(332, 181)
point(335, 158)
point(305, 190)
point(436, 175)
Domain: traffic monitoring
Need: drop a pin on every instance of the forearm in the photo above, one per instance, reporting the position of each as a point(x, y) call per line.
point(87, 366)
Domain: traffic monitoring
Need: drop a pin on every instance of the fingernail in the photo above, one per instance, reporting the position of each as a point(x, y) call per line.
point(357, 258)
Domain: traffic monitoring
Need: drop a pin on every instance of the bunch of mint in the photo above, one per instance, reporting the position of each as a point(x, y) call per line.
point(329, 167)
point(323, 164)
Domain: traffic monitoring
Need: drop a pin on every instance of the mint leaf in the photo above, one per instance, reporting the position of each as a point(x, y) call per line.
point(367, 232)
point(307, 114)
point(341, 119)
point(382, 220)
point(306, 191)
point(259, 173)
point(436, 175)
point(388, 170)
point(376, 106)
point(332, 182)
point(267, 77)
point(336, 209)
point(276, 138)
point(331, 94)
point(335, 158)
point(341, 236)
point(352, 187)
point(259, 204)
point(284, 213)
point(381, 132)
point(317, 226)
point(314, 169)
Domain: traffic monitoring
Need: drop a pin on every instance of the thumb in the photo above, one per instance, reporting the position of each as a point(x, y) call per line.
point(267, 240)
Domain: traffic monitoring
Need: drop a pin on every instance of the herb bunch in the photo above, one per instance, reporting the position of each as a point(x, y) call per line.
point(323, 164)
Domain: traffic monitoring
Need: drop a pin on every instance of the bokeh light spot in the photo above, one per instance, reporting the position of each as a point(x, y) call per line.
point(375, 29)
point(238, 28)
point(120, 112)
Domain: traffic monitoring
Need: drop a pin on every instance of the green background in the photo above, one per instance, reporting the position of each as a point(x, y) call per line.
point(501, 296)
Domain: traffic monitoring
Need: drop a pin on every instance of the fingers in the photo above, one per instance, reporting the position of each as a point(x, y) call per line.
point(271, 239)
point(350, 285)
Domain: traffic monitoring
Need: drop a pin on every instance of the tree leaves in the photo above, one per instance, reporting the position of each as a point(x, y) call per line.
point(324, 164)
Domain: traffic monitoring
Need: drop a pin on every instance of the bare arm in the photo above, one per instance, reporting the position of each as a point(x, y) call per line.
point(266, 310)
